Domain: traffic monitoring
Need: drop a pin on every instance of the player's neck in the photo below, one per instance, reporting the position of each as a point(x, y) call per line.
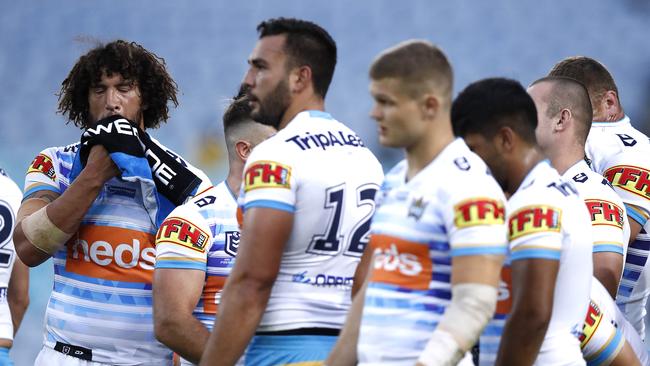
point(234, 179)
point(563, 160)
point(427, 149)
point(301, 104)
point(525, 161)
point(614, 117)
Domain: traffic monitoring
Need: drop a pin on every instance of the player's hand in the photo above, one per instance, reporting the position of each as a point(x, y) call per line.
point(100, 164)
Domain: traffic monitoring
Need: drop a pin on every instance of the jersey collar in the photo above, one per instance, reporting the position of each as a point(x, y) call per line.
point(623, 121)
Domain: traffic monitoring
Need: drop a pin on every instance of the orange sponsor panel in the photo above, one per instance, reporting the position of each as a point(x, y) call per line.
point(212, 292)
point(504, 299)
point(400, 262)
point(112, 253)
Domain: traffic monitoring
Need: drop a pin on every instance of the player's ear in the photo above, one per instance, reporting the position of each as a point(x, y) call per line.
point(430, 106)
point(300, 79)
point(563, 120)
point(610, 104)
point(243, 149)
point(504, 139)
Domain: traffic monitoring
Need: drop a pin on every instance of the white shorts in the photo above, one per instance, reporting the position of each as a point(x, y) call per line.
point(50, 357)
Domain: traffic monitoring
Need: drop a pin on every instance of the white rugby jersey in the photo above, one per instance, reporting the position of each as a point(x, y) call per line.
point(101, 298)
point(319, 170)
point(9, 203)
point(451, 208)
point(548, 220)
point(610, 228)
point(621, 154)
point(605, 330)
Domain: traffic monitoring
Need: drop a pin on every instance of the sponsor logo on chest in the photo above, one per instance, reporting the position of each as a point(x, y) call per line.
point(400, 262)
point(111, 253)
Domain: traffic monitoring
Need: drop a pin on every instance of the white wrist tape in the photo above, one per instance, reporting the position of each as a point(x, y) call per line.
point(472, 306)
point(42, 233)
point(441, 350)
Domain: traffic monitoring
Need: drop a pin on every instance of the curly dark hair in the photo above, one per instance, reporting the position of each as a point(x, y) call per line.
point(132, 62)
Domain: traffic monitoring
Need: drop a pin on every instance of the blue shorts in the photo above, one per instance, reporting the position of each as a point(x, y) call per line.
point(4, 357)
point(302, 350)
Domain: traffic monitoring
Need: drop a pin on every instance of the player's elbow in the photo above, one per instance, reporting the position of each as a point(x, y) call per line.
point(607, 270)
point(253, 285)
point(164, 326)
point(25, 249)
point(536, 318)
point(19, 301)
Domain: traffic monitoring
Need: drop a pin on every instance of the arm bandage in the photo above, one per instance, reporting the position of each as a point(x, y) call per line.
point(472, 306)
point(42, 233)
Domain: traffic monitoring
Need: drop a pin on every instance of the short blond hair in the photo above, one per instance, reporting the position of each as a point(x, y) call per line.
point(419, 65)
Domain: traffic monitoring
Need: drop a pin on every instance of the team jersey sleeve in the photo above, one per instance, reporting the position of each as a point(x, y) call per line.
point(42, 173)
point(183, 240)
point(476, 225)
point(608, 225)
point(535, 232)
point(629, 174)
point(269, 181)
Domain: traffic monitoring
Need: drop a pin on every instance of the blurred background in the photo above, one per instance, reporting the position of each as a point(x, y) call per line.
point(206, 44)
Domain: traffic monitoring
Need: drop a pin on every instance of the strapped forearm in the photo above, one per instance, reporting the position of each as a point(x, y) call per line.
point(472, 306)
point(42, 233)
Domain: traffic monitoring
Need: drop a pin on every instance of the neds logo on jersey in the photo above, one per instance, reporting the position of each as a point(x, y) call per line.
point(400, 262)
point(534, 219)
point(42, 164)
point(630, 178)
point(267, 174)
point(479, 211)
point(605, 213)
point(177, 230)
point(111, 253)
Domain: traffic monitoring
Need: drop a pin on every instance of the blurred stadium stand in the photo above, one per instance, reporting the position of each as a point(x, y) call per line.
point(206, 43)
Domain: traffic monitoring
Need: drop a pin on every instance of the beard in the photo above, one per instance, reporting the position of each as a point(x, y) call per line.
point(272, 108)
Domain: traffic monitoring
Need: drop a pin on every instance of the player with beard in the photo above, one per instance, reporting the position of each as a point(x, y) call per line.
point(307, 198)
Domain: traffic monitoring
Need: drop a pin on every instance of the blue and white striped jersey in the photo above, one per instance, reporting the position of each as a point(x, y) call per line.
point(102, 297)
point(451, 208)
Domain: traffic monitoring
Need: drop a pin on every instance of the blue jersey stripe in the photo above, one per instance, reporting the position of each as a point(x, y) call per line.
point(181, 265)
point(270, 204)
point(609, 350)
point(496, 250)
point(102, 296)
point(535, 254)
point(612, 248)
